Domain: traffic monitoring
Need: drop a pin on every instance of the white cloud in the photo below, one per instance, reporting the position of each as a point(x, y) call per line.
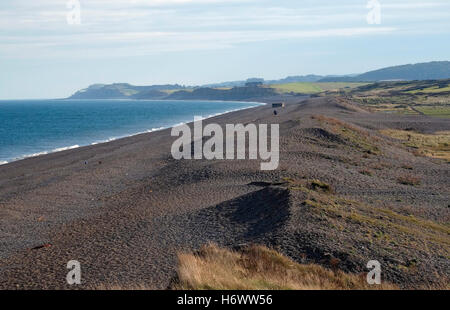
point(127, 27)
point(145, 43)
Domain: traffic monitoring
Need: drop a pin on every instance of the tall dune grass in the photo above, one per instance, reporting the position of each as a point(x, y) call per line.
point(259, 268)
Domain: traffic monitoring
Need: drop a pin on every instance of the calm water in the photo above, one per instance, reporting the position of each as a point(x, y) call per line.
point(33, 127)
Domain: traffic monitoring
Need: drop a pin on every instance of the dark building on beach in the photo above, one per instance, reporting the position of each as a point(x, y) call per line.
point(278, 105)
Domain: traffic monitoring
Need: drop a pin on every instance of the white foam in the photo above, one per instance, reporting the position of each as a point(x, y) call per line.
point(3, 162)
point(66, 148)
point(60, 149)
point(33, 155)
point(156, 129)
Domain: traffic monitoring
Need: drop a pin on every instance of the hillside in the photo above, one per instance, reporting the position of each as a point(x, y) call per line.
point(124, 91)
point(435, 70)
point(171, 92)
point(431, 98)
point(238, 90)
point(290, 79)
point(235, 93)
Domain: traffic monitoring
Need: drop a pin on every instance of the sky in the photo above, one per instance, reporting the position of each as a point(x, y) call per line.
point(46, 51)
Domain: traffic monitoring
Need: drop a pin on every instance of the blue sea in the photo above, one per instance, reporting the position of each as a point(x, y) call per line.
point(34, 127)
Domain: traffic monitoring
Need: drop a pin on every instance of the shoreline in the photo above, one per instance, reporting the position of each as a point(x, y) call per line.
point(114, 165)
point(111, 139)
point(125, 209)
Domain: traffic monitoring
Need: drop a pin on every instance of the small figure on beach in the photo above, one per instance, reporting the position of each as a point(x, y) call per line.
point(275, 112)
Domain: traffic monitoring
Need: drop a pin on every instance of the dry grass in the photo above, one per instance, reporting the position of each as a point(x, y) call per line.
point(403, 231)
point(408, 180)
point(361, 139)
point(431, 145)
point(318, 185)
point(259, 268)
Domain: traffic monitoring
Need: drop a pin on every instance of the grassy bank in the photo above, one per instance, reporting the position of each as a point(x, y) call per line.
point(259, 268)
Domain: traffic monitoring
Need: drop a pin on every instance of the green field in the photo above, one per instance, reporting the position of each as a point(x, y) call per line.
point(431, 98)
point(431, 90)
point(435, 111)
point(171, 91)
point(313, 88)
